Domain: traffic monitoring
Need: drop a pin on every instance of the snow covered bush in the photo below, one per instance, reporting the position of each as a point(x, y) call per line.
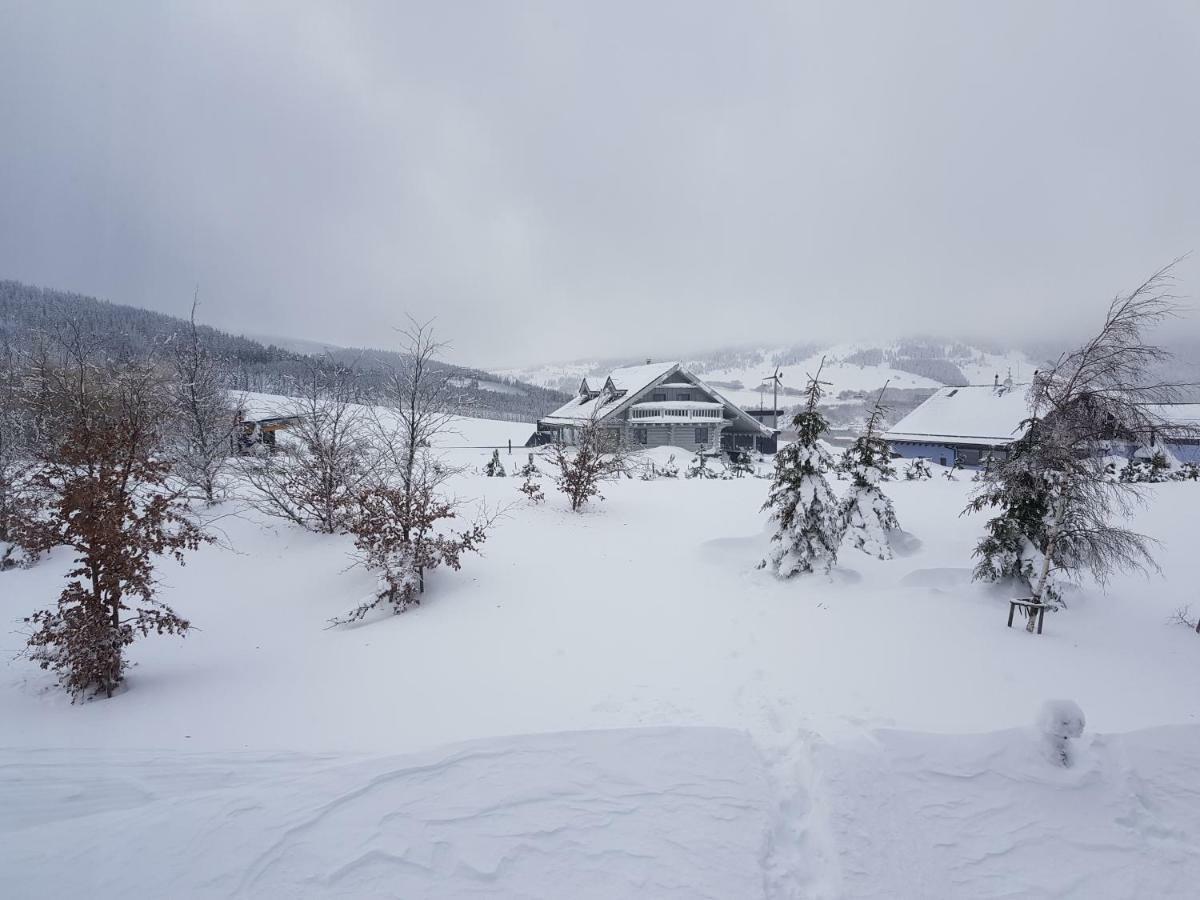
point(399, 515)
point(1188, 471)
point(918, 470)
point(398, 533)
point(532, 490)
point(494, 468)
point(1059, 722)
point(581, 468)
point(868, 513)
point(951, 474)
point(1148, 466)
point(740, 465)
point(699, 468)
point(529, 470)
point(104, 489)
point(807, 519)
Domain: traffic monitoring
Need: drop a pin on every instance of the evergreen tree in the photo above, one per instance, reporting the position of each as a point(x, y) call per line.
point(867, 511)
point(494, 468)
point(1010, 551)
point(803, 509)
point(529, 470)
point(699, 468)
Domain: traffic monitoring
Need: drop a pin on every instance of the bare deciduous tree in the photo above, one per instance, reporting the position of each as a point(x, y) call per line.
point(329, 459)
point(205, 418)
point(400, 527)
point(15, 452)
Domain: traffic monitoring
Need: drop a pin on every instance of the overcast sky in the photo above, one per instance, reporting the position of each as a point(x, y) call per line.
point(558, 180)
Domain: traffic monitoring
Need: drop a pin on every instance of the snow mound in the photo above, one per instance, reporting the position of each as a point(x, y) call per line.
point(670, 812)
point(922, 815)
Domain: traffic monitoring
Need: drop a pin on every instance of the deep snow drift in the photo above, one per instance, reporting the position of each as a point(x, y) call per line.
point(268, 746)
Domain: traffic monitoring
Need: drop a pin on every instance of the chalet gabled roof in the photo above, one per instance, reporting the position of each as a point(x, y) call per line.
point(626, 385)
point(976, 414)
point(627, 381)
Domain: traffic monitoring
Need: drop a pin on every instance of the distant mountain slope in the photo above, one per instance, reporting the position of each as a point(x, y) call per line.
point(26, 311)
point(912, 368)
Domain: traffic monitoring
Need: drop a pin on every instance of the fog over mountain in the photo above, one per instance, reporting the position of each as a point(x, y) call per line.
point(560, 180)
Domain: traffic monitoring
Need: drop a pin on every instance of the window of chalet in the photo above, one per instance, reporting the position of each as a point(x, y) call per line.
point(658, 398)
point(701, 435)
point(639, 435)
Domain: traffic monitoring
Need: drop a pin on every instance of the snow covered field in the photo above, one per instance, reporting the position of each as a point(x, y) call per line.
point(644, 714)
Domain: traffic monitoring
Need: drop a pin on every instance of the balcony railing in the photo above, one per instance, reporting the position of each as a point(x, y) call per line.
point(676, 411)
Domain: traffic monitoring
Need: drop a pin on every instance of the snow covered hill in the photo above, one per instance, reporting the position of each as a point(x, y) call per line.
point(849, 367)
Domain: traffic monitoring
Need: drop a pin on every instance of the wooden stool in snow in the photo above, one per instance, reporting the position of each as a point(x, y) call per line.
point(1031, 608)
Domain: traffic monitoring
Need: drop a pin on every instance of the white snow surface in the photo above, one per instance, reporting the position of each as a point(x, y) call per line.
point(671, 813)
point(616, 704)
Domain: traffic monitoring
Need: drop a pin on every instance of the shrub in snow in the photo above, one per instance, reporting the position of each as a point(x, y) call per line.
point(867, 511)
point(807, 519)
point(740, 466)
point(1148, 467)
point(1183, 616)
point(951, 474)
point(581, 468)
point(918, 470)
point(532, 490)
point(494, 468)
point(1188, 471)
point(104, 491)
point(699, 468)
point(1059, 722)
point(670, 469)
point(399, 534)
point(529, 470)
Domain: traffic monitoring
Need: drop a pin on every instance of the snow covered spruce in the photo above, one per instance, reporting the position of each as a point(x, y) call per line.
point(807, 518)
point(868, 512)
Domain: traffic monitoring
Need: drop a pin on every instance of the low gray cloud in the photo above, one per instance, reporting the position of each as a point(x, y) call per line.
point(555, 180)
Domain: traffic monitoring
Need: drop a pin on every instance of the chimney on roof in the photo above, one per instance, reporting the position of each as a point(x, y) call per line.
point(648, 360)
point(995, 381)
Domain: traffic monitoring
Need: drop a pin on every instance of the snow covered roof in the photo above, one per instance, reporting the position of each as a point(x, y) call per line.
point(976, 414)
point(1186, 415)
point(635, 378)
point(632, 382)
point(629, 380)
